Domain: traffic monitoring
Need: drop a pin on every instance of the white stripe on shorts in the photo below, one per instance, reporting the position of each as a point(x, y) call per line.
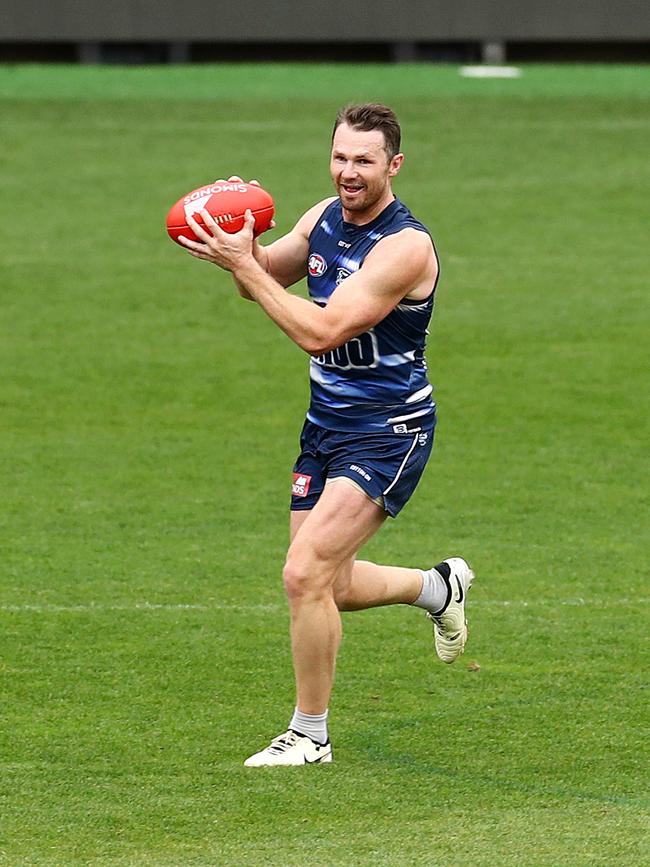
point(403, 464)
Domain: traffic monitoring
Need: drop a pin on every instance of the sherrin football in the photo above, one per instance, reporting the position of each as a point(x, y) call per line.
point(226, 201)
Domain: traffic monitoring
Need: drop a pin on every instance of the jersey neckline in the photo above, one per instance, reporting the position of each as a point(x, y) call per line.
point(350, 228)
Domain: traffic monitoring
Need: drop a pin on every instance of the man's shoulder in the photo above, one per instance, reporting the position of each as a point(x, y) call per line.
point(404, 240)
point(406, 259)
point(310, 218)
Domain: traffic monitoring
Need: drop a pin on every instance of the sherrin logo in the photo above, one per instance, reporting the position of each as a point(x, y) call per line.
point(317, 265)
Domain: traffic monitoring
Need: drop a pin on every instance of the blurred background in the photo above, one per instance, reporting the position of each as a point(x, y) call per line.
point(456, 31)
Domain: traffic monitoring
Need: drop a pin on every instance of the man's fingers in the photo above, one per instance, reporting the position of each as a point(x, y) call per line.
point(253, 181)
point(199, 255)
point(191, 245)
point(208, 223)
point(199, 251)
point(237, 179)
point(209, 220)
point(198, 229)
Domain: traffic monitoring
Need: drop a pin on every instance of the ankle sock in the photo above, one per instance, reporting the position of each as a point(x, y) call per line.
point(312, 725)
point(436, 589)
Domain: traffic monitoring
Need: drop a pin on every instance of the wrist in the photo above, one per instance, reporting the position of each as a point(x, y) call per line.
point(260, 254)
point(246, 268)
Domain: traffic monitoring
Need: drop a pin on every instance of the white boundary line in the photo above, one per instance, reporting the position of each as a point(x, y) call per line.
point(45, 608)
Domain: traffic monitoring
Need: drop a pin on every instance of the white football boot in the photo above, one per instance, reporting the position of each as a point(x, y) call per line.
point(291, 748)
point(450, 625)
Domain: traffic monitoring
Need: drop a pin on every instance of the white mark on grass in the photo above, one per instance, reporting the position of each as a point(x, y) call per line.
point(557, 603)
point(489, 71)
point(47, 608)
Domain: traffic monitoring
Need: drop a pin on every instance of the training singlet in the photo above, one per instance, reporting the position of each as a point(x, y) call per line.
point(375, 382)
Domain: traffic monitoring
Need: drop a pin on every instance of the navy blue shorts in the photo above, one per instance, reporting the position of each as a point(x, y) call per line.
point(386, 466)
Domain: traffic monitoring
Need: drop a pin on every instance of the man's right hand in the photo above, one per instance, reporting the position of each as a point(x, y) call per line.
point(238, 180)
point(258, 250)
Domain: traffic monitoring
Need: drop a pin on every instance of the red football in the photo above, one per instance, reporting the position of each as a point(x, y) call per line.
point(226, 201)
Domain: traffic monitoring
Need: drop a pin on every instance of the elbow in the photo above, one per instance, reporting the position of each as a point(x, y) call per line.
point(320, 344)
point(325, 337)
point(313, 347)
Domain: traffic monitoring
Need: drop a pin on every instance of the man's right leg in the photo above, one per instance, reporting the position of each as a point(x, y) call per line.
point(362, 584)
point(440, 591)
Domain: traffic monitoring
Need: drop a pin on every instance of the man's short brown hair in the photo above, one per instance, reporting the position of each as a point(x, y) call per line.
point(371, 116)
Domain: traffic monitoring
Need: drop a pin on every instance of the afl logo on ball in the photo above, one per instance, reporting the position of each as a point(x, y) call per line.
point(317, 265)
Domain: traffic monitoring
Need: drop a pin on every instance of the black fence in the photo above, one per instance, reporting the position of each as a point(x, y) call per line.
point(206, 30)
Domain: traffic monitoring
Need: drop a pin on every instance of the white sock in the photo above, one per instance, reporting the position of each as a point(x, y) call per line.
point(436, 589)
point(312, 725)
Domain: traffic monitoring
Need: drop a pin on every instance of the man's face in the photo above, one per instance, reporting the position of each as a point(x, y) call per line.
point(360, 167)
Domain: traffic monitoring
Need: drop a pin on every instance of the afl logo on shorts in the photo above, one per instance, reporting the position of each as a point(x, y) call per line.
point(317, 265)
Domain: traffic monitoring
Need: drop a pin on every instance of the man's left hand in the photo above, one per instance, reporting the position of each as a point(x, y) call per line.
point(228, 251)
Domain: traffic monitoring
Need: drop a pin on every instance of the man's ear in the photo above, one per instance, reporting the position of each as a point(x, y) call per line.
point(395, 165)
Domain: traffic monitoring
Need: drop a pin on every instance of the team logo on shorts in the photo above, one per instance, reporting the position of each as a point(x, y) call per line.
point(301, 483)
point(317, 265)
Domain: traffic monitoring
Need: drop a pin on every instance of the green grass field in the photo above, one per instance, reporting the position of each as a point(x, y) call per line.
point(149, 423)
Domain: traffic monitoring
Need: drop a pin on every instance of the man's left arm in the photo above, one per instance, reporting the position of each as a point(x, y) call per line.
point(393, 268)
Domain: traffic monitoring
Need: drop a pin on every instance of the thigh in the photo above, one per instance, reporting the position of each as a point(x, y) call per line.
point(296, 520)
point(333, 531)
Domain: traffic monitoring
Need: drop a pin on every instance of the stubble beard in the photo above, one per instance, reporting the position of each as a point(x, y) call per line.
point(365, 202)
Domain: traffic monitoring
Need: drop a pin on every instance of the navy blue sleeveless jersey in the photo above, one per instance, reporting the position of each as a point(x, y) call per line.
point(375, 382)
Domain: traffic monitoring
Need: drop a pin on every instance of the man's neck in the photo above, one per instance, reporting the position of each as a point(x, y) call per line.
point(361, 218)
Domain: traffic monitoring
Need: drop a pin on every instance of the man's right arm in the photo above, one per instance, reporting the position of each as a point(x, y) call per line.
point(286, 259)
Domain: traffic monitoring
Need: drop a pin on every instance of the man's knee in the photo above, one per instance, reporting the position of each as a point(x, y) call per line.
point(307, 576)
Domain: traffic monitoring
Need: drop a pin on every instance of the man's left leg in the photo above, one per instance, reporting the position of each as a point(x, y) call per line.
point(329, 536)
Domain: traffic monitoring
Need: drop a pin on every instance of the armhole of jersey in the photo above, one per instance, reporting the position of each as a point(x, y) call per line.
point(320, 218)
point(419, 227)
point(435, 253)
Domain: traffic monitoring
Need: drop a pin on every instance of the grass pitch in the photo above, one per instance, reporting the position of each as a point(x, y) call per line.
point(149, 423)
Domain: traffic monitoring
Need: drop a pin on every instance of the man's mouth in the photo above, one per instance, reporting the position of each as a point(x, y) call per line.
point(351, 189)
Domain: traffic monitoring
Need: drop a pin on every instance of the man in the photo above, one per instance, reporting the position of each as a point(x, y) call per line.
point(372, 270)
